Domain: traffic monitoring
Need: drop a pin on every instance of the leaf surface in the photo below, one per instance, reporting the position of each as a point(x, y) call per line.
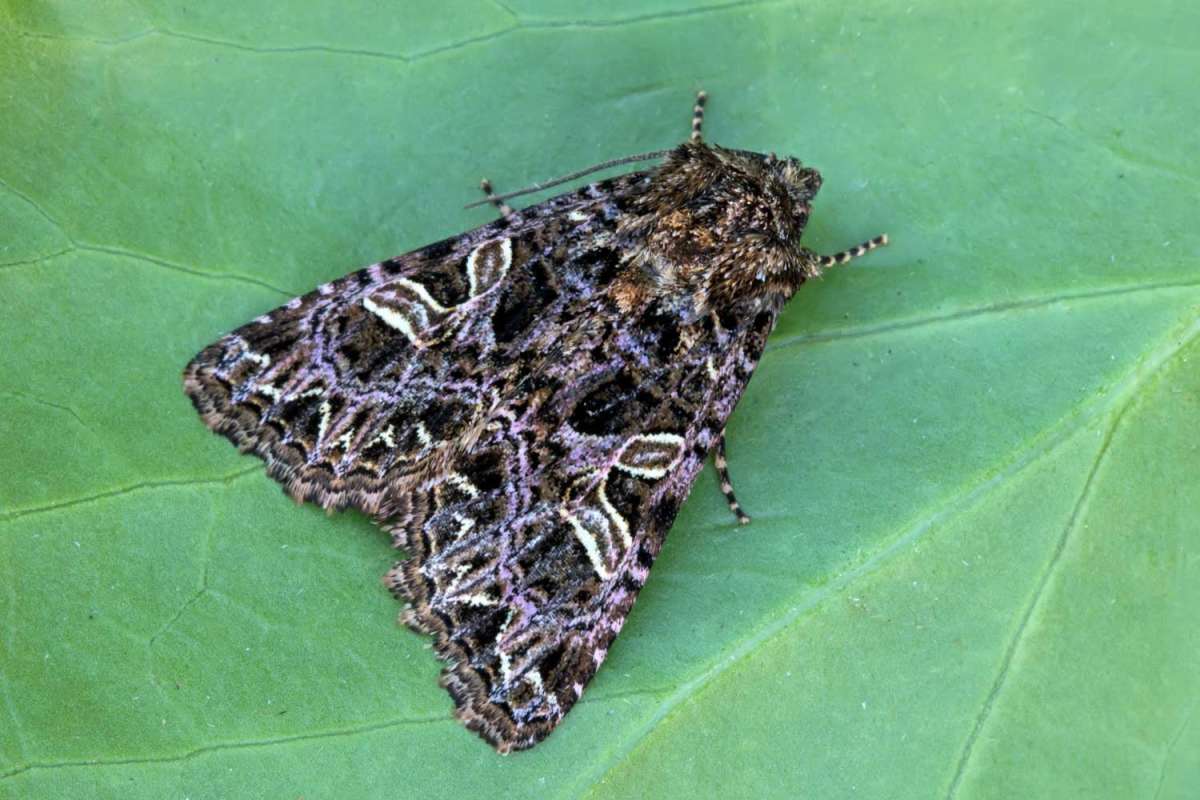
point(971, 457)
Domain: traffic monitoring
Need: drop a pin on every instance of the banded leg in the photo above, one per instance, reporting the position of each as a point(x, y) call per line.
point(504, 208)
point(698, 116)
point(853, 252)
point(726, 484)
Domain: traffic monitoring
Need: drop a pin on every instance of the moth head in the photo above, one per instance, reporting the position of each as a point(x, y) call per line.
point(717, 227)
point(801, 183)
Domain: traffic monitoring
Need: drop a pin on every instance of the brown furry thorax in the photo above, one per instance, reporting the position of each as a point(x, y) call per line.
point(722, 227)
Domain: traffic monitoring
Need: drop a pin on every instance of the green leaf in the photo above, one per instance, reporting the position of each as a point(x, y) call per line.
point(971, 457)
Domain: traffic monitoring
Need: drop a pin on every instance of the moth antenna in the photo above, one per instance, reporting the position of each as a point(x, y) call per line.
point(853, 252)
point(504, 208)
point(698, 116)
point(537, 187)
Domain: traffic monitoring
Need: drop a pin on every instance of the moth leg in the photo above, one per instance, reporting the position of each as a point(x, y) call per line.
point(853, 252)
point(726, 484)
point(504, 208)
point(698, 116)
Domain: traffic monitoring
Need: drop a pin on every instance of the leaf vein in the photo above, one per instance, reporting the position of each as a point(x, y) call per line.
point(1172, 744)
point(519, 25)
point(232, 276)
point(226, 746)
point(37, 259)
point(39, 401)
point(1072, 524)
point(199, 592)
point(43, 213)
point(979, 311)
point(137, 487)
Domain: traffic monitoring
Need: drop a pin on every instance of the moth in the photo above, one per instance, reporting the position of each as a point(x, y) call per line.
point(525, 406)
